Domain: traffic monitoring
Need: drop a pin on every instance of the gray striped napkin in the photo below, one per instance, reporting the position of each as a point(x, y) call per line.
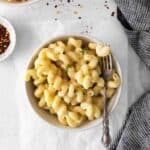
point(135, 132)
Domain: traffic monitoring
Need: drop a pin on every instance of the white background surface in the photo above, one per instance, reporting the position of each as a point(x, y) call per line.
point(20, 127)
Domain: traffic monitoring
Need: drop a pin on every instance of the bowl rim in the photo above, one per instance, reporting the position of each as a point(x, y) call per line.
point(12, 33)
point(19, 3)
point(118, 94)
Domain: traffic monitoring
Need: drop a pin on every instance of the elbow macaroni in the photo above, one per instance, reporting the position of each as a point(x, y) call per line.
point(68, 81)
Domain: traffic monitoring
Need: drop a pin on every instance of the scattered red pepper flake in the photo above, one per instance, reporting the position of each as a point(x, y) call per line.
point(56, 6)
point(75, 12)
point(113, 13)
point(58, 12)
point(4, 39)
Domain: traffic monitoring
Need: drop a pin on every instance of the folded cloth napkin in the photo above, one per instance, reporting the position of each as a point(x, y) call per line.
point(135, 132)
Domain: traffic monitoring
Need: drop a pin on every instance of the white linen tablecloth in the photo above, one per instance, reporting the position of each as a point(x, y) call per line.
point(20, 127)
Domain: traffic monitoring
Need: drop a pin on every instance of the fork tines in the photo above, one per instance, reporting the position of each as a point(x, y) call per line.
point(106, 62)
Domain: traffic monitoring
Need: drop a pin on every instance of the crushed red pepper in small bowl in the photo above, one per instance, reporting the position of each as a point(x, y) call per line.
point(4, 39)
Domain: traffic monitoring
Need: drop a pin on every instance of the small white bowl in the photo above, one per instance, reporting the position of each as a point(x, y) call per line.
point(51, 119)
point(12, 35)
point(18, 3)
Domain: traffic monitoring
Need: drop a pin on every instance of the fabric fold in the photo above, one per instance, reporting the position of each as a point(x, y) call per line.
point(140, 41)
point(135, 132)
point(137, 13)
point(134, 15)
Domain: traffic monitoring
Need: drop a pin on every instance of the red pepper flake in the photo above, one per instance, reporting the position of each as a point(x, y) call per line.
point(58, 12)
point(87, 29)
point(79, 5)
point(75, 12)
point(106, 6)
point(56, 6)
point(113, 13)
point(4, 39)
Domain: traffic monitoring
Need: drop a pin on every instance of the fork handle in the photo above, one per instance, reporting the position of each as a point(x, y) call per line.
point(106, 138)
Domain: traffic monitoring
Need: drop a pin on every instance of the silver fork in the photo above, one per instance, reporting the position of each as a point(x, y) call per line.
point(106, 65)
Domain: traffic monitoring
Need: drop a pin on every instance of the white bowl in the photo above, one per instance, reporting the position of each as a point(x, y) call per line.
point(18, 3)
point(12, 33)
point(52, 120)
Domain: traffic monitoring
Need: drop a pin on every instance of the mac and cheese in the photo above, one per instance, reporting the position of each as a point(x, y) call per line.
point(68, 81)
